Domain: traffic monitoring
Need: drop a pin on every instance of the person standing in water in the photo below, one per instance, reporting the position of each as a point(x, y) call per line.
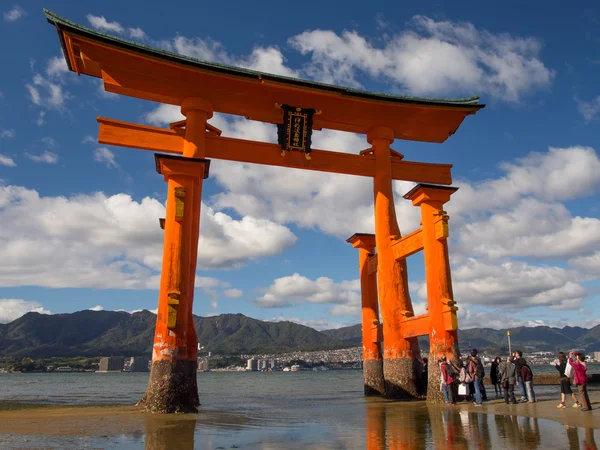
point(565, 382)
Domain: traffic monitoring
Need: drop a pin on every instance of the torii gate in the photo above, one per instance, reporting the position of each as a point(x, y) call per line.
point(201, 88)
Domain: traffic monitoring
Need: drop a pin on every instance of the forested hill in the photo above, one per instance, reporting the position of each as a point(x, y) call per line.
point(104, 333)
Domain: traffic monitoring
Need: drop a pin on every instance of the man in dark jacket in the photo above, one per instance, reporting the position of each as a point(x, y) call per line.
point(475, 368)
point(508, 377)
point(519, 363)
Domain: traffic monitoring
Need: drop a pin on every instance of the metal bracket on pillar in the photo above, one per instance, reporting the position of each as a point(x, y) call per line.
point(173, 305)
point(407, 313)
point(179, 203)
point(161, 222)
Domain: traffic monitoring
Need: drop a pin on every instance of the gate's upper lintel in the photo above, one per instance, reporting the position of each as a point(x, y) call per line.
point(140, 71)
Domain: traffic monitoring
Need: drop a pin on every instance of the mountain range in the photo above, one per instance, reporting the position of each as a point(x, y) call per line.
point(105, 333)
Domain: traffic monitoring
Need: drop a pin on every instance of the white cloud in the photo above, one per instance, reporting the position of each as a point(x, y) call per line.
point(296, 288)
point(7, 161)
point(89, 140)
point(514, 285)
point(163, 115)
point(531, 229)
point(137, 33)
point(432, 57)
point(100, 23)
point(105, 156)
point(590, 111)
point(12, 308)
point(227, 243)
point(7, 134)
point(233, 293)
point(95, 241)
point(46, 157)
point(97, 308)
point(14, 14)
point(589, 263)
point(46, 94)
point(57, 66)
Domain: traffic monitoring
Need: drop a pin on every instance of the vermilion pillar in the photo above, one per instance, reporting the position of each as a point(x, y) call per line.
point(440, 300)
point(172, 386)
point(398, 353)
point(372, 360)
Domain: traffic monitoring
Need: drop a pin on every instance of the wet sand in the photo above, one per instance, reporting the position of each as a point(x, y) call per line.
point(104, 421)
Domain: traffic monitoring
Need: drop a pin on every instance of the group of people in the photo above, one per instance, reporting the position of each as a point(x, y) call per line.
point(573, 369)
point(507, 375)
point(465, 379)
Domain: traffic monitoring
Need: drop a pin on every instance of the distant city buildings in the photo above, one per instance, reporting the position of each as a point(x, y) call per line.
point(111, 364)
point(139, 364)
point(254, 365)
point(203, 364)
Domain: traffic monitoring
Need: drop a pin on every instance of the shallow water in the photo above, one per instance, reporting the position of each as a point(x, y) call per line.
point(308, 410)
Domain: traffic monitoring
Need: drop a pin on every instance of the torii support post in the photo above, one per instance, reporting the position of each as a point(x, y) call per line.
point(443, 322)
point(399, 353)
point(371, 328)
point(172, 386)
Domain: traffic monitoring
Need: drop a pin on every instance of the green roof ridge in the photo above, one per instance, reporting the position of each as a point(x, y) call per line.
point(234, 70)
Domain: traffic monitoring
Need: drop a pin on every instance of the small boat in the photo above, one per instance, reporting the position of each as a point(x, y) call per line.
point(286, 369)
point(295, 368)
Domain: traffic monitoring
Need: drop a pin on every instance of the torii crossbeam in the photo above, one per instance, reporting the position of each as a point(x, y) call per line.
point(201, 88)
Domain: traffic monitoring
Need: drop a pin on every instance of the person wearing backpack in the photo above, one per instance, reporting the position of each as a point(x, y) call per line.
point(477, 372)
point(527, 377)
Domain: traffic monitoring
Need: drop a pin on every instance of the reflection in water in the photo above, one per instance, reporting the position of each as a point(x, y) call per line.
point(168, 432)
point(393, 426)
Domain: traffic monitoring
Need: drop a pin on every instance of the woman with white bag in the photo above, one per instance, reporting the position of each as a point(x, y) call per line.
point(564, 370)
point(465, 379)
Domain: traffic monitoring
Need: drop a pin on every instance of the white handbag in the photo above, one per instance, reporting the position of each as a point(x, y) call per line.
point(463, 389)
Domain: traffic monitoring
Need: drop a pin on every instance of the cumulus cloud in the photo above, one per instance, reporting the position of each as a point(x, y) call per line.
point(13, 308)
point(7, 134)
point(430, 57)
point(97, 308)
point(104, 242)
point(515, 285)
point(14, 14)
point(294, 289)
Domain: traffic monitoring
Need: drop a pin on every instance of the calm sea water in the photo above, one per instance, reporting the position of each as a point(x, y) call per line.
point(317, 410)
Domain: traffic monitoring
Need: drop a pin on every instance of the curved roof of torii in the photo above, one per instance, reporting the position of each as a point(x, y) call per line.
point(137, 70)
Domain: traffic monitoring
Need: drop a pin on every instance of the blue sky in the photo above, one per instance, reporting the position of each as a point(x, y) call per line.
point(80, 220)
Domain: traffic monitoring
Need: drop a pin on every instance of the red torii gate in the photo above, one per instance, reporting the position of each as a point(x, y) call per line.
point(201, 88)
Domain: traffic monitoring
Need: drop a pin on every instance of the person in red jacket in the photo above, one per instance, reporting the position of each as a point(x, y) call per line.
point(448, 374)
point(581, 379)
point(527, 376)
